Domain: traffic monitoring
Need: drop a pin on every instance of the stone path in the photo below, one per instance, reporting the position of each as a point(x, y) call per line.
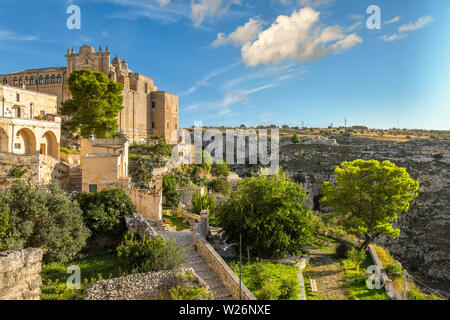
point(326, 269)
point(195, 261)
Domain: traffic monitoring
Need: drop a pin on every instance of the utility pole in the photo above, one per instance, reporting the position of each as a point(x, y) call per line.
point(345, 122)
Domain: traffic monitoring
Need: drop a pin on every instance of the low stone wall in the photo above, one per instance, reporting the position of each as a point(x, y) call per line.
point(70, 158)
point(390, 290)
point(229, 279)
point(20, 277)
point(138, 225)
point(28, 162)
point(148, 204)
point(143, 286)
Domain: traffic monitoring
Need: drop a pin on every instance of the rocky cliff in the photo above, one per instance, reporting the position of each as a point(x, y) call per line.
point(422, 246)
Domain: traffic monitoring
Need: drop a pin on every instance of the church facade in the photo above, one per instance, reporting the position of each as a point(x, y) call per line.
point(147, 112)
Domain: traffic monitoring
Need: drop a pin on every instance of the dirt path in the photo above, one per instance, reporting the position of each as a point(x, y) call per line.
point(326, 269)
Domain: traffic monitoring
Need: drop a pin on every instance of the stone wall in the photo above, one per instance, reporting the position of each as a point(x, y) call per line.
point(143, 286)
point(138, 225)
point(28, 162)
point(186, 195)
point(148, 204)
point(229, 279)
point(20, 277)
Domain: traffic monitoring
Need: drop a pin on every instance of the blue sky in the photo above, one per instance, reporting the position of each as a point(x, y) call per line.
point(259, 61)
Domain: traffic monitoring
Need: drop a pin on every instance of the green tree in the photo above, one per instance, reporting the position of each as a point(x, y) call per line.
point(368, 196)
point(268, 211)
point(171, 190)
point(43, 217)
point(95, 104)
point(357, 257)
point(104, 211)
point(295, 138)
point(199, 202)
point(220, 170)
point(141, 170)
point(220, 185)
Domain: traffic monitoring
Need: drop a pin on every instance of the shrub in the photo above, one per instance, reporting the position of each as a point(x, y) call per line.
point(220, 185)
point(171, 190)
point(199, 202)
point(288, 289)
point(148, 255)
point(258, 277)
point(194, 293)
point(416, 295)
point(104, 211)
point(4, 226)
point(18, 172)
point(141, 171)
point(269, 292)
point(394, 270)
point(44, 217)
point(342, 249)
point(357, 257)
point(221, 170)
point(295, 138)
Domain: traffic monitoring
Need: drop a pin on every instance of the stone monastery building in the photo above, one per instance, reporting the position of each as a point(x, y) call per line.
point(147, 112)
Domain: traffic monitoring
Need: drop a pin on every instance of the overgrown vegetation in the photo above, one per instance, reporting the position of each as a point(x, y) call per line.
point(201, 202)
point(171, 190)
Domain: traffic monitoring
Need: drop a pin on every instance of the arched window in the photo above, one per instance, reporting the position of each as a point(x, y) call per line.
point(58, 79)
point(20, 81)
point(5, 81)
point(25, 80)
point(31, 80)
point(53, 78)
point(41, 79)
point(15, 82)
point(47, 79)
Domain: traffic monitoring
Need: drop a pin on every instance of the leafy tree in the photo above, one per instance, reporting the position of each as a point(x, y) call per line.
point(95, 104)
point(369, 195)
point(357, 257)
point(104, 211)
point(171, 190)
point(295, 138)
point(141, 171)
point(199, 202)
point(44, 217)
point(268, 211)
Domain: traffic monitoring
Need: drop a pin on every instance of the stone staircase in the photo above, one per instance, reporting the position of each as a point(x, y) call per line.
point(75, 179)
point(195, 261)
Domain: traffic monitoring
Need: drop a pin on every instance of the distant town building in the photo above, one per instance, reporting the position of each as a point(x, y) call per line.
point(147, 112)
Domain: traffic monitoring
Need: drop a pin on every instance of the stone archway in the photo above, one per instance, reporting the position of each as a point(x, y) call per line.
point(24, 142)
point(4, 141)
point(49, 145)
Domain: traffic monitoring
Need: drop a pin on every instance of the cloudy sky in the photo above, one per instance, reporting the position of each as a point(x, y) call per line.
point(259, 61)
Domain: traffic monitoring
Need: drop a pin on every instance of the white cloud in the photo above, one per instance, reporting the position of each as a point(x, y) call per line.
point(9, 35)
point(393, 20)
point(422, 22)
point(163, 3)
point(200, 9)
point(299, 37)
point(354, 26)
point(394, 37)
point(314, 3)
point(241, 35)
point(356, 16)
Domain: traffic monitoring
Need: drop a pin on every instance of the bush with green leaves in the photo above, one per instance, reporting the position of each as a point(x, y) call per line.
point(295, 138)
point(268, 211)
point(104, 212)
point(394, 270)
point(141, 171)
point(219, 185)
point(171, 190)
point(148, 255)
point(4, 226)
point(269, 291)
point(288, 289)
point(202, 202)
point(44, 217)
point(193, 293)
point(357, 257)
point(220, 170)
point(258, 277)
point(18, 172)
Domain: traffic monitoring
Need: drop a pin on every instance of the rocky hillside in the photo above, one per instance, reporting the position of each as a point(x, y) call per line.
point(422, 246)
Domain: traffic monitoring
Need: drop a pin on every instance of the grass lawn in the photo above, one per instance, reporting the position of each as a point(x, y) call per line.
point(93, 268)
point(356, 287)
point(176, 222)
point(275, 272)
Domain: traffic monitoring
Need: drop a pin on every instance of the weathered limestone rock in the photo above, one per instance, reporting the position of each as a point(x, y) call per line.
point(138, 225)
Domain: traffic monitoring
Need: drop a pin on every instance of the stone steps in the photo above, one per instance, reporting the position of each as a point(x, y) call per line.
point(196, 262)
point(75, 179)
